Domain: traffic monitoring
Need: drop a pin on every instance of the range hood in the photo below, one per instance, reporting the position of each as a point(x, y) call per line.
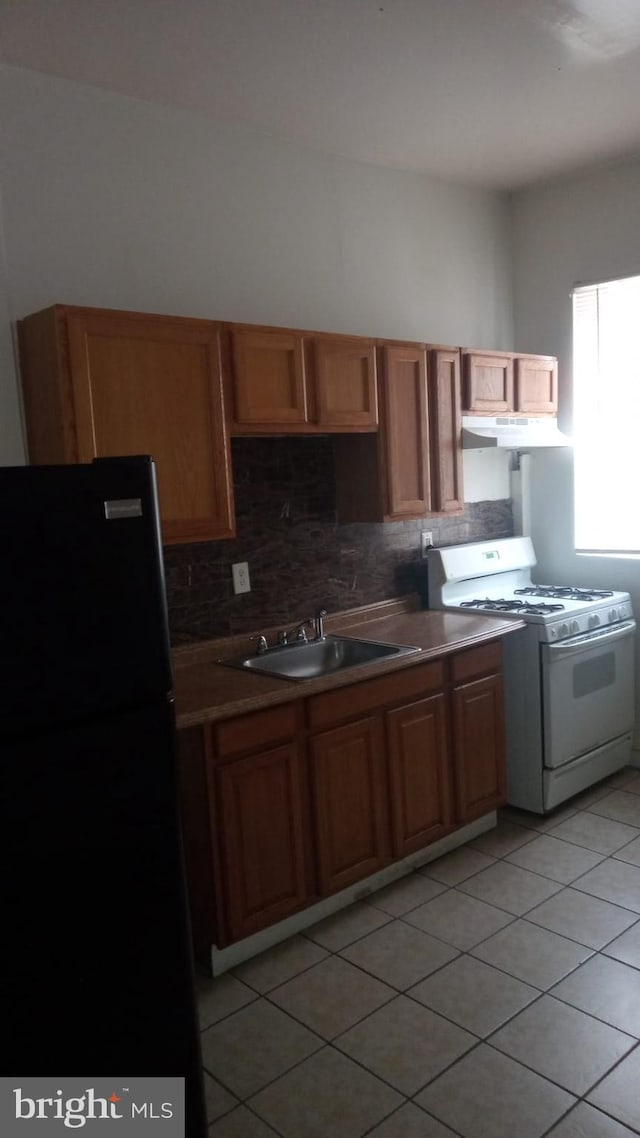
point(511, 432)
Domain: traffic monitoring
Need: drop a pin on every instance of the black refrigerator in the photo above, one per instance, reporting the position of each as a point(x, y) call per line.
point(97, 970)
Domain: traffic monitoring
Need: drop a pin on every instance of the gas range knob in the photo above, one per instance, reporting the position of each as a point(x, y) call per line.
point(563, 630)
point(613, 615)
point(594, 620)
point(574, 627)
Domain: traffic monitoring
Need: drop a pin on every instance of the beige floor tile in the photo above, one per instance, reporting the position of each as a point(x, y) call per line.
point(327, 1096)
point(411, 1122)
point(509, 887)
point(218, 1100)
point(332, 996)
point(220, 996)
point(241, 1123)
point(559, 860)
point(607, 989)
point(613, 881)
point(531, 954)
point(255, 1045)
point(581, 917)
point(633, 785)
point(343, 928)
point(563, 1044)
point(457, 866)
point(503, 839)
point(399, 954)
point(618, 1093)
point(626, 947)
point(586, 1122)
point(473, 994)
point(603, 835)
point(489, 1090)
point(280, 963)
point(402, 896)
point(458, 919)
point(630, 853)
point(620, 806)
point(405, 1044)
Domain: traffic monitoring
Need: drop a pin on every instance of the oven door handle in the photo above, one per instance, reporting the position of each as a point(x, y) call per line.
point(586, 641)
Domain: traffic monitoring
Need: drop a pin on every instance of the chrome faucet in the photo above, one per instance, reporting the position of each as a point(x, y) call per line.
point(318, 623)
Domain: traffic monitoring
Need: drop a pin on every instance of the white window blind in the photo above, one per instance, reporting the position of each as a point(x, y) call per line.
point(606, 392)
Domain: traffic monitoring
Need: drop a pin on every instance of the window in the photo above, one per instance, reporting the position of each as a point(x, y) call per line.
point(606, 391)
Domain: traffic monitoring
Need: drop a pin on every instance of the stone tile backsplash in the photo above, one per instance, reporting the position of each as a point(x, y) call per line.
point(299, 557)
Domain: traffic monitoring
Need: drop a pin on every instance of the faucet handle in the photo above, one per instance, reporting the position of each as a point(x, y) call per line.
point(262, 644)
point(319, 625)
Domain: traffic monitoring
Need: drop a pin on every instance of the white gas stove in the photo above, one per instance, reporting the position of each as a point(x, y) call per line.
point(569, 691)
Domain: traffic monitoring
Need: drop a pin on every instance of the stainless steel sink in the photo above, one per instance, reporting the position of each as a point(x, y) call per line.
point(318, 657)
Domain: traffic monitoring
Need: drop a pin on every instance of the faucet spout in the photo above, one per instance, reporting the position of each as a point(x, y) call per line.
point(318, 623)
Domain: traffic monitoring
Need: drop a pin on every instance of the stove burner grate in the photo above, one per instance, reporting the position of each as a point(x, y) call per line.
point(565, 592)
point(503, 605)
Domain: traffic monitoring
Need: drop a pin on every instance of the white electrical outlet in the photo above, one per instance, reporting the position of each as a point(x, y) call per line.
point(240, 572)
point(426, 541)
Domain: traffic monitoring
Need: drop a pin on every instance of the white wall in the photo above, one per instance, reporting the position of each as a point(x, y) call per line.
point(114, 202)
point(578, 230)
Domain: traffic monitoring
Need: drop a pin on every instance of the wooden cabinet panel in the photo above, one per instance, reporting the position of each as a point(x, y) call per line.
point(132, 383)
point(268, 377)
point(406, 431)
point(371, 695)
point(488, 382)
point(479, 750)
point(536, 385)
point(346, 394)
point(418, 774)
point(260, 821)
point(444, 389)
point(483, 660)
point(348, 779)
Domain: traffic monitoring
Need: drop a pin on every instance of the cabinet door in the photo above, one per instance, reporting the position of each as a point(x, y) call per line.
point(346, 384)
point(419, 774)
point(406, 431)
point(348, 779)
point(260, 838)
point(536, 379)
point(479, 753)
point(444, 391)
point(488, 382)
point(153, 385)
point(268, 378)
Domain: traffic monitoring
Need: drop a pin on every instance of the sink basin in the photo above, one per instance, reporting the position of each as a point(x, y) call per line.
point(318, 657)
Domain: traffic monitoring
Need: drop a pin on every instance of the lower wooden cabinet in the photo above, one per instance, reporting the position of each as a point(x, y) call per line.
point(261, 834)
point(351, 826)
point(479, 760)
point(419, 774)
point(301, 800)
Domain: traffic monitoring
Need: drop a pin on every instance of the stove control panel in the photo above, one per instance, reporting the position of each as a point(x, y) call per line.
point(587, 622)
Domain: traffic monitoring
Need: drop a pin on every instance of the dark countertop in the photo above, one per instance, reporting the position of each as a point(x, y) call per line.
point(206, 691)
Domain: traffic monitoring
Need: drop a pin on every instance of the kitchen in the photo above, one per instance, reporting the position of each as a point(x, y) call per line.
point(357, 249)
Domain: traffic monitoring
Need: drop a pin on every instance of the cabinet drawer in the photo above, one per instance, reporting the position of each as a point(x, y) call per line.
point(477, 661)
point(358, 699)
point(255, 732)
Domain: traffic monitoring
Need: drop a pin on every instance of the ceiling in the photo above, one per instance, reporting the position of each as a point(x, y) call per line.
point(494, 93)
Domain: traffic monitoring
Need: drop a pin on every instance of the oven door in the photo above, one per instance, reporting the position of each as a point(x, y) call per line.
point(587, 691)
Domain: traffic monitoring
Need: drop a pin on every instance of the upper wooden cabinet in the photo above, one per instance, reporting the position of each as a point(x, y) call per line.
point(286, 381)
point(488, 382)
point(100, 383)
point(536, 385)
point(497, 383)
point(269, 387)
point(414, 467)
